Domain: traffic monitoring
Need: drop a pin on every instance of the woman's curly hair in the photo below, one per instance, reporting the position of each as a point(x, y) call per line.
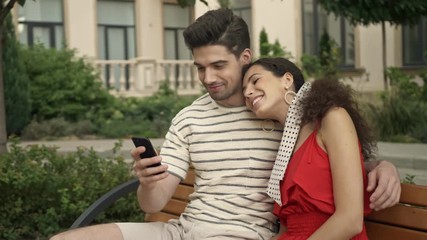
point(326, 94)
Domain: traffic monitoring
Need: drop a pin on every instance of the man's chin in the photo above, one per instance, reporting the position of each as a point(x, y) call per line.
point(217, 96)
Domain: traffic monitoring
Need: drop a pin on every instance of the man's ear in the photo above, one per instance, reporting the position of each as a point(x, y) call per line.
point(246, 56)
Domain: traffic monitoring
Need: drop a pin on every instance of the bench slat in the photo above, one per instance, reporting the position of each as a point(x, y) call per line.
point(414, 194)
point(182, 192)
point(401, 215)
point(190, 178)
point(377, 231)
point(159, 217)
point(175, 207)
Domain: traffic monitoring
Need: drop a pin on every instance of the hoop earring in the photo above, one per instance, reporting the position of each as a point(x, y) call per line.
point(287, 94)
point(268, 122)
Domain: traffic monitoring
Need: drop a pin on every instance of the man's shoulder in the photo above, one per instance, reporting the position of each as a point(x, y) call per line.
point(202, 103)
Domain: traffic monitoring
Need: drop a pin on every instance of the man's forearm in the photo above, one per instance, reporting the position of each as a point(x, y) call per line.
point(151, 200)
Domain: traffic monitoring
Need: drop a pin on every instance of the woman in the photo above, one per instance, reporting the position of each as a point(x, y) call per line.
point(322, 194)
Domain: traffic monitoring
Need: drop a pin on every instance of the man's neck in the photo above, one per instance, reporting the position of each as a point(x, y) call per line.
point(231, 102)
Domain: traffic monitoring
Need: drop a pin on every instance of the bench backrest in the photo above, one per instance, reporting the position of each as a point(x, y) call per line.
point(407, 220)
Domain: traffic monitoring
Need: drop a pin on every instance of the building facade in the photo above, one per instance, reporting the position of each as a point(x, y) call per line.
point(138, 43)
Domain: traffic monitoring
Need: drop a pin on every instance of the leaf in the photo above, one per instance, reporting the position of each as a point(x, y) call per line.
point(21, 2)
point(186, 3)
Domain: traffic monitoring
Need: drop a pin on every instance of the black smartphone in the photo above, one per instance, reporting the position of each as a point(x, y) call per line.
point(149, 149)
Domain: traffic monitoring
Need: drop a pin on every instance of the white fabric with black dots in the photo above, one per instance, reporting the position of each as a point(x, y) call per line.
point(289, 138)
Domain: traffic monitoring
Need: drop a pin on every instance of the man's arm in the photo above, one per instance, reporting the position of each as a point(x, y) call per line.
point(384, 181)
point(154, 190)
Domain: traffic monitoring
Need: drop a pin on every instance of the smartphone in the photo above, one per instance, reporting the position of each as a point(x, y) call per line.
point(149, 149)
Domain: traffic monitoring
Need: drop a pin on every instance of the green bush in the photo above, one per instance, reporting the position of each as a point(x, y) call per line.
point(16, 83)
point(402, 114)
point(56, 128)
point(325, 63)
point(63, 85)
point(267, 49)
point(43, 191)
point(150, 116)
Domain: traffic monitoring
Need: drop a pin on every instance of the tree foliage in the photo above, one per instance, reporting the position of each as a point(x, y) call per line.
point(16, 83)
point(377, 11)
point(187, 3)
point(264, 45)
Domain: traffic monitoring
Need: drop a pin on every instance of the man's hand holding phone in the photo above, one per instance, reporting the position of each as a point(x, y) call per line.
point(147, 165)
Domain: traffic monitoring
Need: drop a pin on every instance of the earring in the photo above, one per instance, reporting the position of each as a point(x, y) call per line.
point(270, 124)
point(292, 97)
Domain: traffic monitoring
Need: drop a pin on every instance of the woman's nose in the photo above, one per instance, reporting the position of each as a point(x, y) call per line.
point(248, 92)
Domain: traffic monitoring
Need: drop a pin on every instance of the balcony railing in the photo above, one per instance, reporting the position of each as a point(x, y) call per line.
point(143, 77)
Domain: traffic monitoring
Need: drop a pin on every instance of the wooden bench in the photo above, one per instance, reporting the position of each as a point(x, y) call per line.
point(405, 221)
point(172, 209)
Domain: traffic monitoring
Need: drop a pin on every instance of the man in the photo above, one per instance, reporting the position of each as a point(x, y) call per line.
point(231, 150)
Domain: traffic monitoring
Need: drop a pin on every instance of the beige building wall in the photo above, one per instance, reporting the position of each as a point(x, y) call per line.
point(80, 23)
point(370, 52)
point(149, 29)
point(281, 19)
point(80, 26)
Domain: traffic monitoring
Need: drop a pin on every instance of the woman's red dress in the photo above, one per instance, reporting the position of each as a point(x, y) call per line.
point(307, 192)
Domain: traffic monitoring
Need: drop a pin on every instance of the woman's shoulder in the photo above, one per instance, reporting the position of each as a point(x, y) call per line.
point(334, 116)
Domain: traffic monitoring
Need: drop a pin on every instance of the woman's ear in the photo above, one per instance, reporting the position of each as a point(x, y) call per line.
point(287, 80)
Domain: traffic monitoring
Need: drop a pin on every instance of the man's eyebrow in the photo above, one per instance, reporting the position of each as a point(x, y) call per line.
point(219, 61)
point(212, 63)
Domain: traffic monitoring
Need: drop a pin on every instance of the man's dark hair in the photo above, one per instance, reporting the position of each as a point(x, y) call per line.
point(218, 27)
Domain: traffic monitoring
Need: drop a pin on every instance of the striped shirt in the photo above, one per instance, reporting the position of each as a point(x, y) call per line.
point(232, 156)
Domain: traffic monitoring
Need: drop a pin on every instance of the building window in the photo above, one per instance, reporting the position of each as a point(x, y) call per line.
point(316, 21)
point(175, 19)
point(116, 37)
point(415, 44)
point(242, 8)
point(41, 22)
point(116, 32)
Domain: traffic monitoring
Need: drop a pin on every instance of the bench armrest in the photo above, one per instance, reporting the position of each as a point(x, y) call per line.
point(104, 202)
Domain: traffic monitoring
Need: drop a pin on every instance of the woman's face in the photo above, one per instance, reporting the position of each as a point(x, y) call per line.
point(264, 93)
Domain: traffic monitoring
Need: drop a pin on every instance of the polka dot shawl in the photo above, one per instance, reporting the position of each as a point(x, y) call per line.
point(289, 138)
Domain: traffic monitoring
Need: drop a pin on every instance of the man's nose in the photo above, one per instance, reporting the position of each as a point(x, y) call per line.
point(209, 76)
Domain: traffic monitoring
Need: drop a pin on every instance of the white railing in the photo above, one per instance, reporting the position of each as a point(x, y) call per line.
point(143, 77)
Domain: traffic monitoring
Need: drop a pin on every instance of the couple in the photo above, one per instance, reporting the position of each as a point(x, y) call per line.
point(233, 152)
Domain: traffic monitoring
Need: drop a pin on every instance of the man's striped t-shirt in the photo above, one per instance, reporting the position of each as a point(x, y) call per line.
point(233, 157)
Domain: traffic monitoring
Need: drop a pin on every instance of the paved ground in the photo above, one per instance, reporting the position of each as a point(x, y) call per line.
point(409, 158)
